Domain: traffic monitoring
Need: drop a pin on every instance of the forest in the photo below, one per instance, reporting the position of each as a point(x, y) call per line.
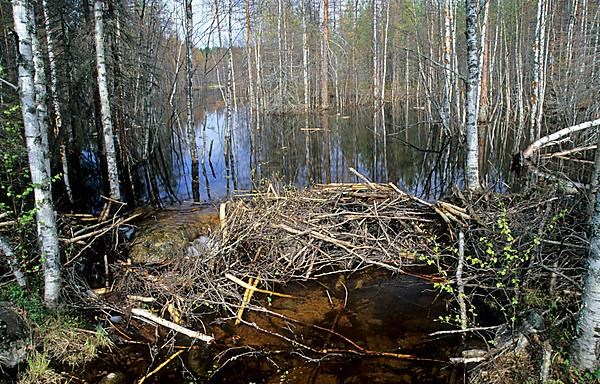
point(164, 165)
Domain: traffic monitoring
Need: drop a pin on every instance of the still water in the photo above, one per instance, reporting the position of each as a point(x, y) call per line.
point(386, 146)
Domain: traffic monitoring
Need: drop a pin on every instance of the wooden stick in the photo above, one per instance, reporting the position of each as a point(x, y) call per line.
point(247, 296)
point(223, 221)
point(248, 286)
point(149, 317)
point(141, 381)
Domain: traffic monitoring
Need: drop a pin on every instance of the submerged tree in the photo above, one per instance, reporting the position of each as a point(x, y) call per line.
point(36, 138)
point(190, 102)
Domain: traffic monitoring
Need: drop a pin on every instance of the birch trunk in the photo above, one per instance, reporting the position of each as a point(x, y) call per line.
point(538, 59)
point(586, 353)
point(36, 139)
point(249, 63)
point(472, 161)
point(189, 103)
point(13, 263)
point(107, 126)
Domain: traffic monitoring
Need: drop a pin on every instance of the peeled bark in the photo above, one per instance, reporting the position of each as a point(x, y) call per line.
point(472, 162)
point(36, 139)
point(107, 126)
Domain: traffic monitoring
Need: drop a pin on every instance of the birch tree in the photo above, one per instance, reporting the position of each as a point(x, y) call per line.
point(107, 126)
point(472, 161)
point(189, 103)
point(586, 351)
point(36, 140)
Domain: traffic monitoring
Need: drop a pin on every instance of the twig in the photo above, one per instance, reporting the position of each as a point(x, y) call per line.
point(173, 356)
point(149, 317)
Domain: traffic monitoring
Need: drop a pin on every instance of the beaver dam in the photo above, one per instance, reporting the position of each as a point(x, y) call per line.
point(342, 283)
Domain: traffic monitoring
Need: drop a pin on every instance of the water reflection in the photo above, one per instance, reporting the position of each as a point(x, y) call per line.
point(385, 146)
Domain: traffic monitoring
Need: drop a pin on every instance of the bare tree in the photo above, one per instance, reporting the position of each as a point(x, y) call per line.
point(325, 58)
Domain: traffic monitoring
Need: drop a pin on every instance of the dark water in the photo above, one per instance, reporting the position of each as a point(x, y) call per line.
point(374, 320)
point(299, 150)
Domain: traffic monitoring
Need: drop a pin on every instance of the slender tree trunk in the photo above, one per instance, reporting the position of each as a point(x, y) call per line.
point(280, 53)
point(36, 139)
point(190, 103)
point(538, 59)
point(472, 161)
point(107, 126)
point(447, 56)
point(375, 76)
point(325, 58)
point(384, 55)
point(482, 100)
point(305, 51)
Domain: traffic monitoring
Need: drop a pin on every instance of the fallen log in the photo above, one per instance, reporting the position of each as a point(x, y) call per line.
point(551, 138)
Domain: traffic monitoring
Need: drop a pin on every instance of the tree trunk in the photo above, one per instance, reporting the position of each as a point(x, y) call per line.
point(586, 346)
point(190, 107)
point(305, 58)
point(472, 162)
point(483, 102)
point(36, 139)
point(325, 58)
point(107, 126)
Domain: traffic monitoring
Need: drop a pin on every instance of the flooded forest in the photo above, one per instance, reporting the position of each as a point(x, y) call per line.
point(299, 191)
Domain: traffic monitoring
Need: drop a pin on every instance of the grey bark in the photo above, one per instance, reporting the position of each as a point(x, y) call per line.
point(36, 139)
point(107, 125)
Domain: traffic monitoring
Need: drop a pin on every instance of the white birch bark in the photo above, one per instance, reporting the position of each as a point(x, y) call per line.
point(193, 146)
point(13, 263)
point(36, 139)
point(280, 51)
point(472, 161)
point(107, 126)
point(538, 59)
point(586, 346)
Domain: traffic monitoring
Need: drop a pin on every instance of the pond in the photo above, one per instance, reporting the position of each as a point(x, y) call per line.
point(386, 146)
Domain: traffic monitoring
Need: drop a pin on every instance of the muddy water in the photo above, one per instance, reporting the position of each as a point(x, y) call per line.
point(368, 315)
point(342, 329)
